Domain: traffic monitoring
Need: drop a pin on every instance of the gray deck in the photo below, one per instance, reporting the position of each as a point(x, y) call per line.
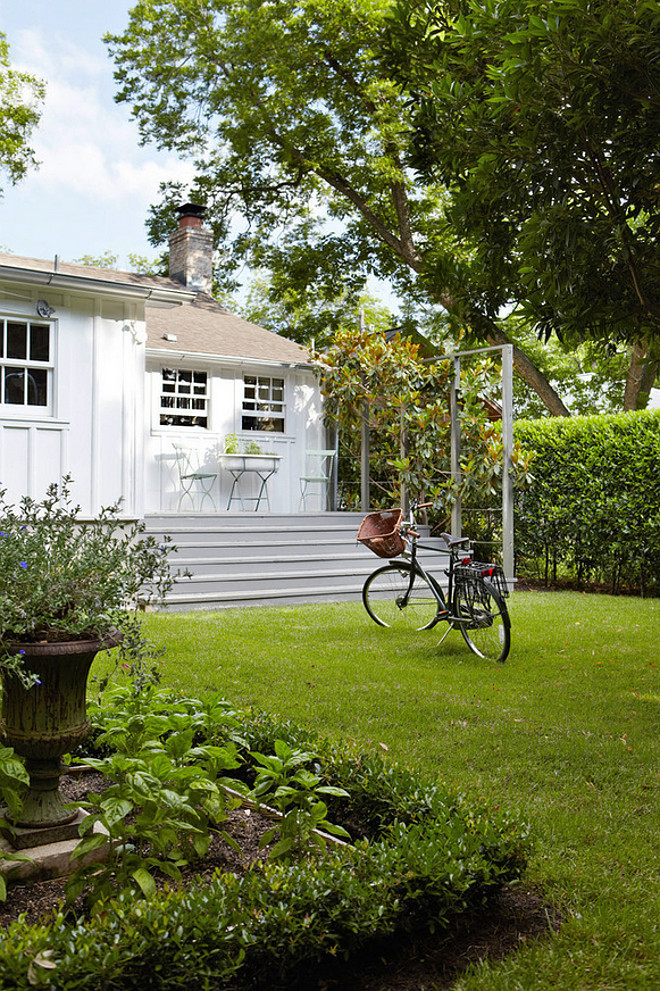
point(253, 559)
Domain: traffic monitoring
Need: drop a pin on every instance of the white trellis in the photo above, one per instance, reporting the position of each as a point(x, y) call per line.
point(506, 351)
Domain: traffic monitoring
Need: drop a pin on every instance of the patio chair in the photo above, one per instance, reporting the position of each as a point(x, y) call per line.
point(193, 479)
point(318, 471)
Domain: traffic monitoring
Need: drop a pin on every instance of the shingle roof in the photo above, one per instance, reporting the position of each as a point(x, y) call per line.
point(206, 327)
point(89, 272)
point(201, 326)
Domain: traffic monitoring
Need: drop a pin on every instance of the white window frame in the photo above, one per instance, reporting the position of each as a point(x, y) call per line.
point(26, 366)
point(183, 398)
point(260, 402)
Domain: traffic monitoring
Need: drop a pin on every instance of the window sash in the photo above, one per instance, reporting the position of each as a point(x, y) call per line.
point(263, 406)
point(26, 365)
point(184, 398)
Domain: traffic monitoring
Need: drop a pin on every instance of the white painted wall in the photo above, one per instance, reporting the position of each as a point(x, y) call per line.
point(303, 430)
point(92, 431)
point(103, 426)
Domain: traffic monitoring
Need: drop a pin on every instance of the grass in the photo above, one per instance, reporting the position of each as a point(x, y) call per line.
point(566, 733)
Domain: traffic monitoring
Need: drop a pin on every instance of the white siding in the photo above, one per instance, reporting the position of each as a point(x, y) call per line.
point(303, 429)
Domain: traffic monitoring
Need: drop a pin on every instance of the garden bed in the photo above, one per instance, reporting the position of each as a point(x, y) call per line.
point(424, 867)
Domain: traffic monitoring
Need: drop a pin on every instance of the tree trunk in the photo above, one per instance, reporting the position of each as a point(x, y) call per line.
point(531, 374)
point(641, 373)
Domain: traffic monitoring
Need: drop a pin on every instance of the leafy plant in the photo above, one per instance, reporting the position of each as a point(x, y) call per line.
point(65, 578)
point(407, 398)
point(232, 444)
point(164, 799)
point(279, 920)
point(285, 781)
point(13, 779)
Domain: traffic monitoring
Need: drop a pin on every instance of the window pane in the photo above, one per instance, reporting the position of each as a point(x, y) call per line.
point(39, 341)
point(37, 387)
point(15, 386)
point(16, 340)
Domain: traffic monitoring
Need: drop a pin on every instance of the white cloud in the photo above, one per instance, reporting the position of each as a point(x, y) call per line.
point(95, 182)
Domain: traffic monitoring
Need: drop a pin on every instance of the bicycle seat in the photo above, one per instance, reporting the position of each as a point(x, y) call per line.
point(454, 541)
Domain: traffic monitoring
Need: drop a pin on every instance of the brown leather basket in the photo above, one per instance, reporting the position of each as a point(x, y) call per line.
point(380, 532)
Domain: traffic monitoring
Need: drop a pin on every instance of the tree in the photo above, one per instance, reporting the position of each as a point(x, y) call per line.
point(542, 120)
point(21, 96)
point(138, 263)
point(300, 138)
point(406, 400)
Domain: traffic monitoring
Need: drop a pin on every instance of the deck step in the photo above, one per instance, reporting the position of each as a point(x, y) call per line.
point(254, 559)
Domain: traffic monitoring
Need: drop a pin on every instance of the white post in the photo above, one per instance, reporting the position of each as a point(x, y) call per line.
point(507, 476)
point(456, 515)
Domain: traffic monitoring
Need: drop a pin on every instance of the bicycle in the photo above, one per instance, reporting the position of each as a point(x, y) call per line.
point(402, 594)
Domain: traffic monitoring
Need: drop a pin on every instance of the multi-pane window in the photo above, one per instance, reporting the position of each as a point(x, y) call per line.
point(25, 364)
point(184, 398)
point(263, 403)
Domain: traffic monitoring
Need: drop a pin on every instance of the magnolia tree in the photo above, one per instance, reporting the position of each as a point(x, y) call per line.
point(407, 401)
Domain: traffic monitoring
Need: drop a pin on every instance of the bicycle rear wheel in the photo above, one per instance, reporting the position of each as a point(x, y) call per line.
point(390, 601)
point(484, 620)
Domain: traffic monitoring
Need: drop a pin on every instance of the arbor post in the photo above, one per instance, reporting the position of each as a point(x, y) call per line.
point(507, 475)
point(456, 511)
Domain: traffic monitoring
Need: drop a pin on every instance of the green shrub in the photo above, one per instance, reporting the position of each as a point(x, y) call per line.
point(594, 505)
point(428, 856)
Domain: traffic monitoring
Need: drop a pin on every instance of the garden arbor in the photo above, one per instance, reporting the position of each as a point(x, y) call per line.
point(396, 409)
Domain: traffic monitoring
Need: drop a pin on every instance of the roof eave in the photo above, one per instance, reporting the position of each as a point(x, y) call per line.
point(226, 359)
point(101, 287)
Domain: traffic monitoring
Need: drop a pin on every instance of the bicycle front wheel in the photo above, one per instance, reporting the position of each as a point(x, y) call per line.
point(391, 601)
point(484, 620)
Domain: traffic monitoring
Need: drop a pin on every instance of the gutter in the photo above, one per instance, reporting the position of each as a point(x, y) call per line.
point(225, 359)
point(80, 283)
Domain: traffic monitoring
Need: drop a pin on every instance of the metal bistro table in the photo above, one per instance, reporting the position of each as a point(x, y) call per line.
point(239, 465)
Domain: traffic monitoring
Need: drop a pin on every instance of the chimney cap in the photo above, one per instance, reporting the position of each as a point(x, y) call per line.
point(191, 210)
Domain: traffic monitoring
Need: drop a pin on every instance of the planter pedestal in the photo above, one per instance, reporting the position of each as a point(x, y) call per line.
point(44, 722)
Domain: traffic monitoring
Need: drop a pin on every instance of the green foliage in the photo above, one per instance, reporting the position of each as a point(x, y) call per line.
point(284, 781)
point(408, 406)
point(540, 117)
point(279, 919)
point(21, 96)
point(13, 779)
point(294, 123)
point(64, 578)
point(593, 505)
point(235, 446)
point(137, 263)
point(164, 798)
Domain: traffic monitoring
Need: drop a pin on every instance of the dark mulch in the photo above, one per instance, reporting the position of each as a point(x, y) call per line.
point(528, 584)
point(421, 962)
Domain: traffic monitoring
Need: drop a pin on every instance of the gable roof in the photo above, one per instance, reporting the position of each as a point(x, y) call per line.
point(200, 324)
point(203, 326)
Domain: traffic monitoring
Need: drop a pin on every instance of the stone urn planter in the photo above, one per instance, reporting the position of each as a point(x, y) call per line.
point(48, 720)
point(70, 586)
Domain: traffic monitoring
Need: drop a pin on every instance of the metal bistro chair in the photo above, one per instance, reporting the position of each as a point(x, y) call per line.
point(318, 471)
point(192, 475)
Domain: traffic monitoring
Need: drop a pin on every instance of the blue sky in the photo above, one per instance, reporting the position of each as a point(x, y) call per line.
point(93, 189)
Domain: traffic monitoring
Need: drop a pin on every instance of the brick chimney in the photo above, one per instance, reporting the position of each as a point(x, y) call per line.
point(191, 250)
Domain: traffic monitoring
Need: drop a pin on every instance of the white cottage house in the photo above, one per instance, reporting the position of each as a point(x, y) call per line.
point(132, 384)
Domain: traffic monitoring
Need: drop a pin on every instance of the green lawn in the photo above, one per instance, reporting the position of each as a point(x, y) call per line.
point(566, 733)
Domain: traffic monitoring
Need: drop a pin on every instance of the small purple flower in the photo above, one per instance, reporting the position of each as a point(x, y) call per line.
point(23, 565)
point(21, 652)
point(38, 681)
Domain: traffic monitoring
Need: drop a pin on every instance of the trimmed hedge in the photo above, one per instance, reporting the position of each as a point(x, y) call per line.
point(593, 507)
point(429, 857)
